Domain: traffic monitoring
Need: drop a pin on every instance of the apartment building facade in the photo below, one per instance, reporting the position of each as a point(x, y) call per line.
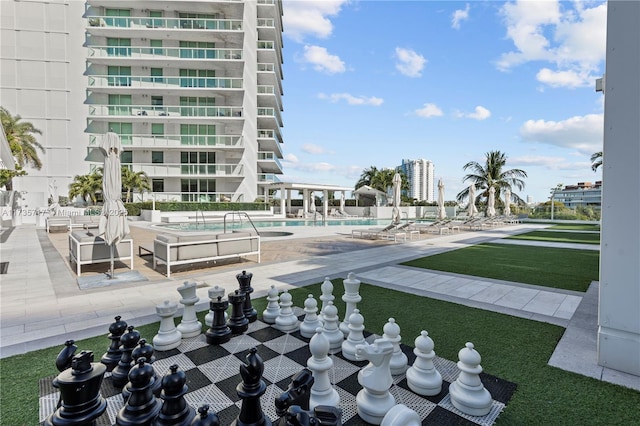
point(420, 176)
point(193, 88)
point(583, 194)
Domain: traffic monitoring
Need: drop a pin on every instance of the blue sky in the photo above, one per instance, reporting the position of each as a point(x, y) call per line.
point(368, 83)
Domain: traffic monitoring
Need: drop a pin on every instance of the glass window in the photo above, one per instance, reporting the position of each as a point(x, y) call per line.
point(125, 131)
point(156, 47)
point(157, 157)
point(156, 73)
point(119, 76)
point(126, 157)
point(118, 46)
point(115, 22)
point(119, 104)
point(156, 23)
point(157, 129)
point(157, 185)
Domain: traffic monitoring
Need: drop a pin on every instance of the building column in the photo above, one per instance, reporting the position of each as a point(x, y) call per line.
point(619, 313)
point(283, 212)
point(305, 201)
point(289, 201)
point(325, 203)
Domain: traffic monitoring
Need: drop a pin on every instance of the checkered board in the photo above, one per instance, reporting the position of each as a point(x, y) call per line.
point(213, 373)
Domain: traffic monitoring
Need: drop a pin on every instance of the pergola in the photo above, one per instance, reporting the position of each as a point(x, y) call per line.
point(307, 189)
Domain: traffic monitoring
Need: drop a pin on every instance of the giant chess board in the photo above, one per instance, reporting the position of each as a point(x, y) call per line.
point(213, 373)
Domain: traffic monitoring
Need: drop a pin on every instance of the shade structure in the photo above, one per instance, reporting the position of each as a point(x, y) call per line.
point(491, 202)
point(507, 202)
point(441, 213)
point(55, 198)
point(113, 220)
point(397, 186)
point(472, 210)
point(342, 202)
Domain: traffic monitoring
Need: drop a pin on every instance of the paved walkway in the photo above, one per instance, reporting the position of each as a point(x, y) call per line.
point(42, 305)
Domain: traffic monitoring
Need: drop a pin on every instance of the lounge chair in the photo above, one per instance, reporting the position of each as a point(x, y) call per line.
point(386, 233)
point(409, 228)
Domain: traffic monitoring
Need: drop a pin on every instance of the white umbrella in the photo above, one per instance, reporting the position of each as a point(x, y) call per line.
point(507, 202)
point(471, 208)
point(491, 210)
point(113, 221)
point(442, 213)
point(55, 199)
point(397, 185)
point(342, 202)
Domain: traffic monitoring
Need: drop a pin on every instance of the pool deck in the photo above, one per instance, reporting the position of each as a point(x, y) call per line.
point(42, 305)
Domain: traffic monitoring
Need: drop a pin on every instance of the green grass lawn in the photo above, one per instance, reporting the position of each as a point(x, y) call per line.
point(514, 349)
point(577, 227)
point(550, 267)
point(559, 237)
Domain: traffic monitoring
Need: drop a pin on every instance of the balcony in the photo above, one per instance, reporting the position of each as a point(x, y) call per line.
point(190, 197)
point(268, 178)
point(156, 53)
point(151, 111)
point(124, 22)
point(184, 170)
point(269, 117)
point(146, 82)
point(175, 141)
point(267, 96)
point(269, 162)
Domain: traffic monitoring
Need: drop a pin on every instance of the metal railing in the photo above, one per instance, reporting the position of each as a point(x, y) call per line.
point(181, 170)
point(170, 23)
point(240, 215)
point(163, 52)
point(166, 111)
point(169, 141)
point(148, 82)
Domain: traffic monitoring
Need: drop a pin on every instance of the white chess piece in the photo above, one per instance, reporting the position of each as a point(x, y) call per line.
point(214, 293)
point(399, 361)
point(331, 326)
point(422, 376)
point(322, 393)
point(189, 326)
point(168, 336)
point(272, 311)
point(401, 415)
point(467, 393)
point(311, 321)
point(374, 400)
point(355, 337)
point(351, 297)
point(326, 296)
point(286, 321)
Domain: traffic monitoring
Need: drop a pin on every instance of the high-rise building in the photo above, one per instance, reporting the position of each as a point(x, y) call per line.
point(192, 87)
point(420, 176)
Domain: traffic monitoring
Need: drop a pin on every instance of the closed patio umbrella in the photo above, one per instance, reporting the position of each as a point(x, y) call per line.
point(312, 203)
point(442, 213)
point(342, 202)
point(55, 199)
point(472, 210)
point(507, 202)
point(397, 185)
point(491, 209)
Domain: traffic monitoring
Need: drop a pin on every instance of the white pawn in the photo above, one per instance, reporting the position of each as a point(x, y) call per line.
point(168, 336)
point(311, 321)
point(355, 337)
point(189, 326)
point(401, 415)
point(351, 297)
point(322, 393)
point(286, 321)
point(214, 293)
point(331, 326)
point(326, 296)
point(272, 311)
point(399, 361)
point(468, 394)
point(422, 376)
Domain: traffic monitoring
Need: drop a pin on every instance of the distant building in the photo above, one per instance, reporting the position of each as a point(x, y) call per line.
point(420, 176)
point(530, 200)
point(584, 194)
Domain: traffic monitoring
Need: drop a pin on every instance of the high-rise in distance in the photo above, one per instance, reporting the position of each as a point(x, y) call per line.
point(193, 88)
point(420, 176)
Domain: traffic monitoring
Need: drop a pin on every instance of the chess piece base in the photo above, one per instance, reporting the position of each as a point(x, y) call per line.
point(474, 402)
point(372, 408)
point(426, 383)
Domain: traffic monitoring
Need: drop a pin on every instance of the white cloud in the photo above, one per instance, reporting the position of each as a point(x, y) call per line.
point(290, 158)
point(479, 113)
point(458, 16)
point(570, 79)
point(582, 133)
point(428, 111)
point(310, 148)
point(309, 167)
point(322, 60)
point(310, 17)
point(409, 62)
point(550, 163)
point(352, 100)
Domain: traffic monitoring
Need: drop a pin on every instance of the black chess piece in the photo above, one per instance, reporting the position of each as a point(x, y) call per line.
point(143, 350)
point(322, 415)
point(219, 332)
point(113, 354)
point(174, 411)
point(79, 388)
point(298, 393)
point(63, 361)
point(250, 391)
point(205, 417)
point(244, 280)
point(237, 322)
point(141, 407)
point(128, 341)
point(328, 416)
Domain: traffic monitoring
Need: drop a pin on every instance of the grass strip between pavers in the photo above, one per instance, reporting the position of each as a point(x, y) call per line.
point(577, 227)
point(559, 237)
point(566, 269)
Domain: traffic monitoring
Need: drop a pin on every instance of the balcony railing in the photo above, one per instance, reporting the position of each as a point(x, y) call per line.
point(269, 156)
point(177, 141)
point(178, 23)
point(171, 170)
point(165, 111)
point(265, 22)
point(164, 82)
point(268, 90)
point(264, 44)
point(163, 52)
point(264, 67)
point(191, 197)
point(268, 178)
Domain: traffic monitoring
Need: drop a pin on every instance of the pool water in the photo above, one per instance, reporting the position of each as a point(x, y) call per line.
point(274, 223)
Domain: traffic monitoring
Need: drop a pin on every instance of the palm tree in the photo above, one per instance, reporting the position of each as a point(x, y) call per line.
point(86, 186)
point(134, 181)
point(367, 177)
point(492, 174)
point(23, 144)
point(596, 160)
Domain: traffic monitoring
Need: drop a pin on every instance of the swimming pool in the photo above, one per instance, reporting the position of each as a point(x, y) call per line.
point(218, 226)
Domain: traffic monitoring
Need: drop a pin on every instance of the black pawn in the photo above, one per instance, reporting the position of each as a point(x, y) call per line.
point(244, 280)
point(143, 350)
point(205, 418)
point(128, 341)
point(80, 393)
point(63, 361)
point(113, 354)
point(141, 407)
point(238, 323)
point(219, 332)
point(174, 411)
point(250, 391)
